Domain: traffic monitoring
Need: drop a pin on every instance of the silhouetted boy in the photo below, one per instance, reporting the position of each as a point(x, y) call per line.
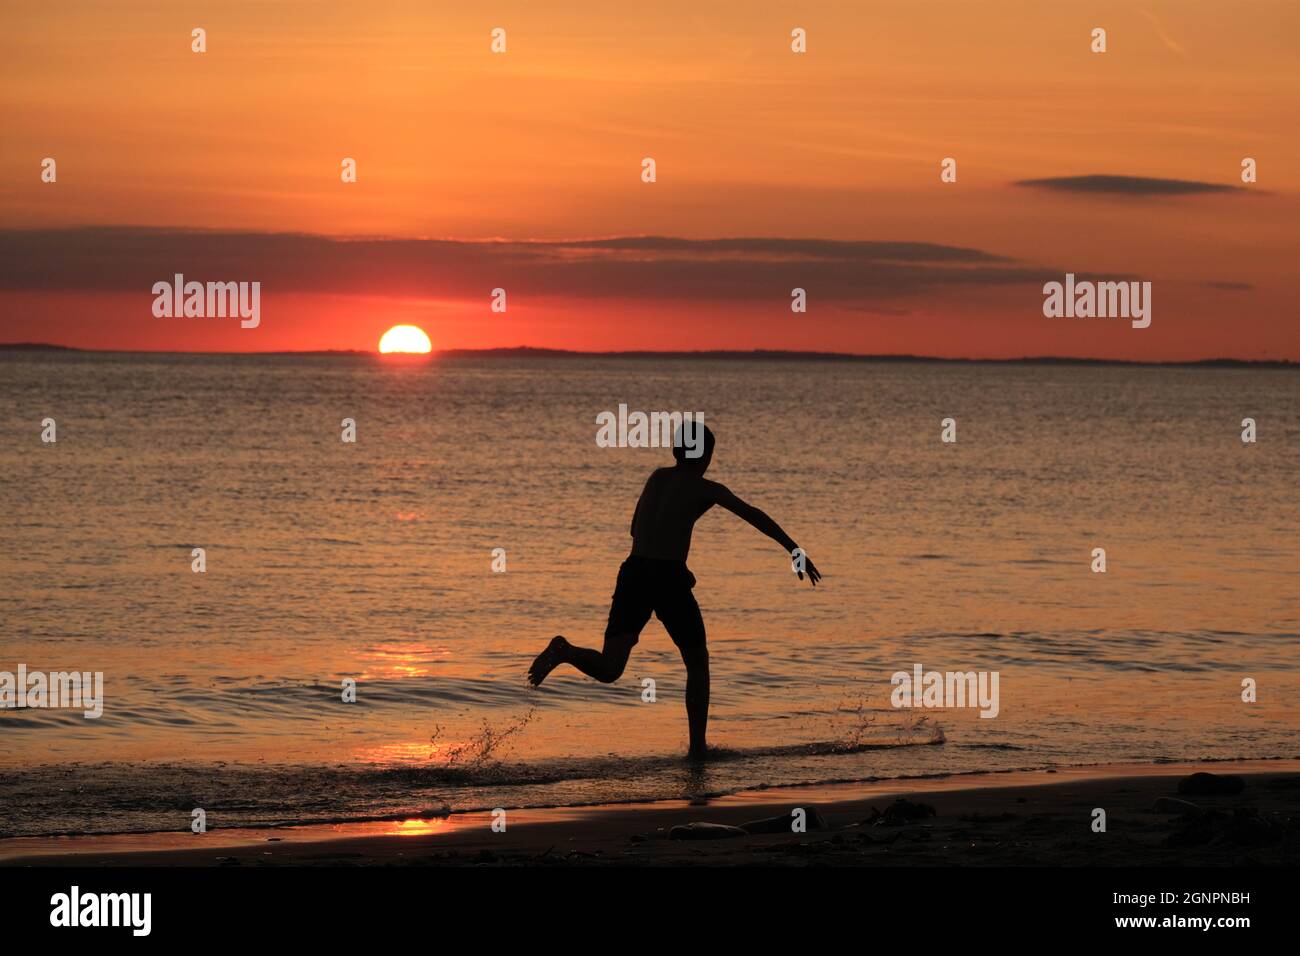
point(655, 578)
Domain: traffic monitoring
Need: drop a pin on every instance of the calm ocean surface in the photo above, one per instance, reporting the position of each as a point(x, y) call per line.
point(373, 561)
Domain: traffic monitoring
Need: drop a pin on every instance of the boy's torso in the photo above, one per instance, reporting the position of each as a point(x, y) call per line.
point(670, 504)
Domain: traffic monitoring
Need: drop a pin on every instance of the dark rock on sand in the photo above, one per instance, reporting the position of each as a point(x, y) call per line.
point(1211, 784)
point(1243, 827)
point(1196, 831)
point(1173, 805)
point(784, 823)
point(899, 813)
point(704, 831)
point(1248, 828)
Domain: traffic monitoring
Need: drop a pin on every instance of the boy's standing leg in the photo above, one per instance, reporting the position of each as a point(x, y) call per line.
point(680, 615)
point(696, 660)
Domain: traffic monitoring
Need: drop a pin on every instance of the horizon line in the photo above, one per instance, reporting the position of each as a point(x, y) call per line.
point(529, 351)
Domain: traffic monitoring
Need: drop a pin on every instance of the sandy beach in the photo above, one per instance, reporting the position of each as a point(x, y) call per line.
point(1155, 815)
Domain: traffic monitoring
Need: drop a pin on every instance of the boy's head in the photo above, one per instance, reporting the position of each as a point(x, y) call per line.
point(693, 445)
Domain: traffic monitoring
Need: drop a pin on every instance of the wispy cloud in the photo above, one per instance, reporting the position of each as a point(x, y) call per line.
point(633, 267)
point(1128, 185)
point(1170, 43)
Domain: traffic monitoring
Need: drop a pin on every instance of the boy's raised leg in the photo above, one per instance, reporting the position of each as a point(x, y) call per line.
point(605, 665)
point(548, 660)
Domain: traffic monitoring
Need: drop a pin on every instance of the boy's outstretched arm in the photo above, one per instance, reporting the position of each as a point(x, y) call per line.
point(760, 519)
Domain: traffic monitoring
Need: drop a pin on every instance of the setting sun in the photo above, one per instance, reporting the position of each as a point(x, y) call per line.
point(405, 338)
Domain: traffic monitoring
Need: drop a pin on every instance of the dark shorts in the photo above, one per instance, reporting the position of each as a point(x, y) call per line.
point(648, 585)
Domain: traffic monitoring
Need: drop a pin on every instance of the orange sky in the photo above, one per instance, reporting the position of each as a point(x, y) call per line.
point(542, 146)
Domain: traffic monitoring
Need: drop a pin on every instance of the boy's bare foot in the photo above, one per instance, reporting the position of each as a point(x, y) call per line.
point(547, 660)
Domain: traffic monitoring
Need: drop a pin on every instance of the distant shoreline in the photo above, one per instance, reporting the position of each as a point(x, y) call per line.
point(767, 355)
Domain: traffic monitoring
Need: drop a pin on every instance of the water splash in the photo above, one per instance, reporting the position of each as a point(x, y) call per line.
point(483, 750)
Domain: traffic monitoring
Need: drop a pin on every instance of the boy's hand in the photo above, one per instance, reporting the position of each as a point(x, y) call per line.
point(813, 574)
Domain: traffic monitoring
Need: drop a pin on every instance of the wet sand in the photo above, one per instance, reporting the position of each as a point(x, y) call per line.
point(1023, 818)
